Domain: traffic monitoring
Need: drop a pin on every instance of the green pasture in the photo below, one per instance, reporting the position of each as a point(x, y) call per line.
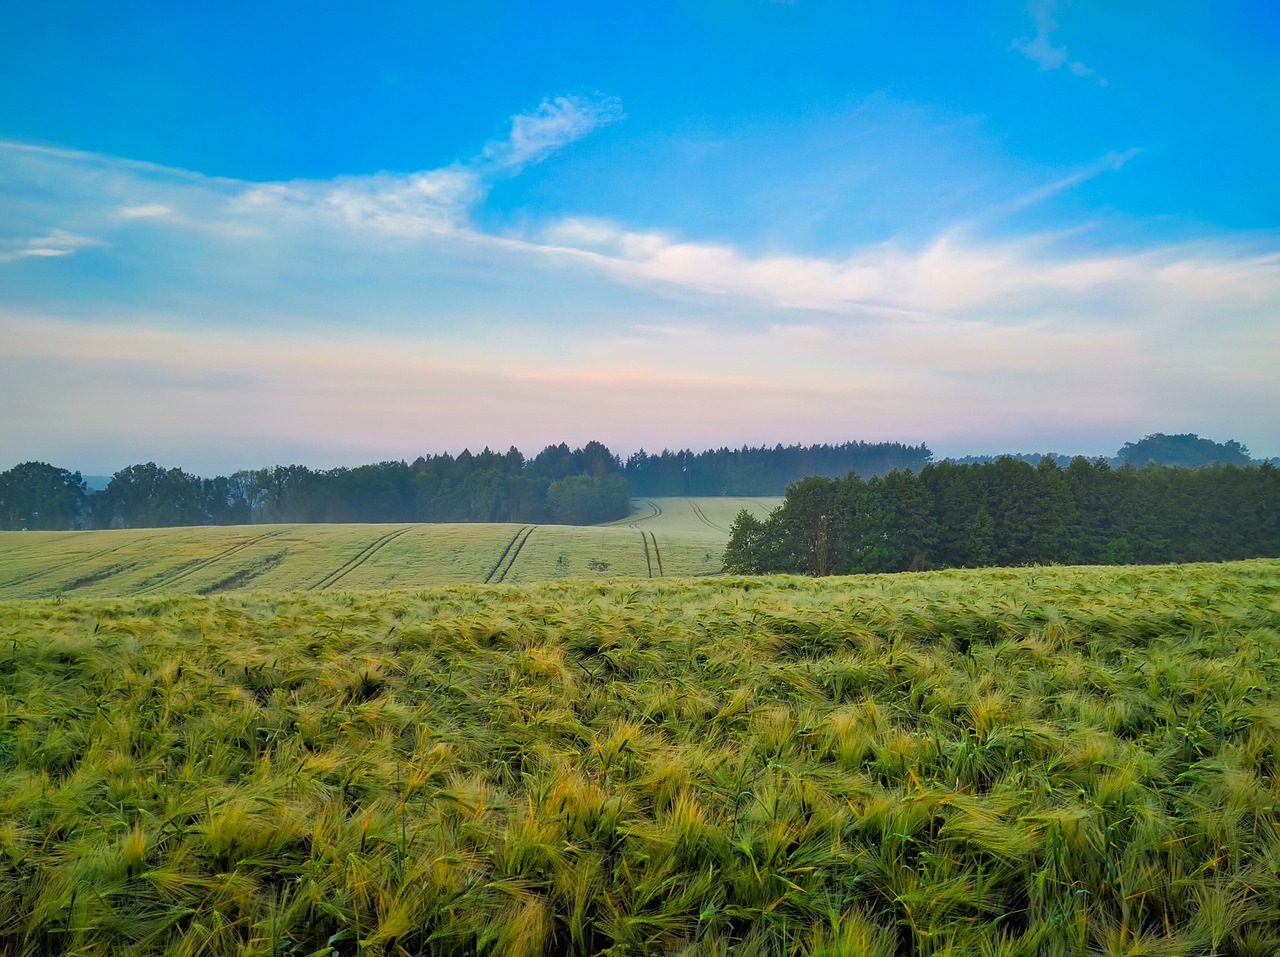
point(663, 537)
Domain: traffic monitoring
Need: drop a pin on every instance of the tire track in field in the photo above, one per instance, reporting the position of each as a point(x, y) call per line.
point(516, 554)
point(359, 559)
point(635, 520)
point(71, 563)
point(204, 563)
point(657, 554)
point(702, 516)
point(501, 558)
point(648, 564)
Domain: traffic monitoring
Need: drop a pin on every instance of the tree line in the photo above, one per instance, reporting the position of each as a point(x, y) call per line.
point(1009, 512)
point(764, 470)
point(573, 487)
point(1186, 449)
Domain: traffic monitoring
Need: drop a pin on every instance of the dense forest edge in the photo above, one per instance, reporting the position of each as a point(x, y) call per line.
point(583, 486)
point(1008, 512)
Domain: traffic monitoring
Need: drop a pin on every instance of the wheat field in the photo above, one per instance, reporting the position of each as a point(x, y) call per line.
point(1040, 761)
point(663, 537)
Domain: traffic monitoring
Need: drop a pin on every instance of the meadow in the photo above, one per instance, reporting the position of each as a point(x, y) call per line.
point(1048, 761)
point(662, 537)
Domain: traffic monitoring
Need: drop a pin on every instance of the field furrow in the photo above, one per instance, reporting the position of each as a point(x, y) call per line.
point(356, 561)
point(657, 553)
point(194, 567)
point(503, 557)
point(515, 553)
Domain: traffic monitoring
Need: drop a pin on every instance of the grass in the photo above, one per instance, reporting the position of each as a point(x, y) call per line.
point(208, 560)
point(1048, 761)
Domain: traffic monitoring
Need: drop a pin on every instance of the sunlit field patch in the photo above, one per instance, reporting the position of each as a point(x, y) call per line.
point(1032, 761)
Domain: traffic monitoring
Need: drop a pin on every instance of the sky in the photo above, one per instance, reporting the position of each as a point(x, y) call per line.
point(243, 234)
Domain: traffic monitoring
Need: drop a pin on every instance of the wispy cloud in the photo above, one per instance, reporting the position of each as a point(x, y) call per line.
point(1111, 162)
point(959, 271)
point(145, 211)
point(413, 205)
point(1040, 49)
point(405, 205)
point(56, 242)
point(955, 274)
point(554, 124)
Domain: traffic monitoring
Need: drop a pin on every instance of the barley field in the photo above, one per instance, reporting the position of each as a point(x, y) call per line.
point(1040, 761)
point(663, 537)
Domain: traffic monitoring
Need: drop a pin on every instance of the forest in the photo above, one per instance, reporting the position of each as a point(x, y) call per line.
point(584, 486)
point(1008, 512)
point(590, 485)
point(763, 471)
point(579, 487)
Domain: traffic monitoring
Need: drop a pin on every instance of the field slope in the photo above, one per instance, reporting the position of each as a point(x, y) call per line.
point(662, 537)
point(1035, 761)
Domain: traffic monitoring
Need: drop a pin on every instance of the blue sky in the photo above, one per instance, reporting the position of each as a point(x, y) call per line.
point(237, 235)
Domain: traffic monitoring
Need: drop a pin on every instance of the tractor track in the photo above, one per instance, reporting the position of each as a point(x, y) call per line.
point(71, 563)
point(359, 559)
point(656, 554)
point(702, 516)
point(204, 563)
point(516, 553)
point(503, 557)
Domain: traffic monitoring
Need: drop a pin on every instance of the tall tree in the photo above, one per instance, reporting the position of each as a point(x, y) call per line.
point(36, 495)
point(149, 496)
point(1185, 449)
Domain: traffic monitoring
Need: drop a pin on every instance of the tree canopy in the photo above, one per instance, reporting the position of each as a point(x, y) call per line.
point(1009, 512)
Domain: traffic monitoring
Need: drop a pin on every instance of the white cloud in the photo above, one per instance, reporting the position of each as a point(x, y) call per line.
point(554, 124)
point(405, 205)
point(959, 272)
point(418, 322)
point(145, 211)
point(954, 275)
point(414, 205)
point(1040, 50)
point(56, 242)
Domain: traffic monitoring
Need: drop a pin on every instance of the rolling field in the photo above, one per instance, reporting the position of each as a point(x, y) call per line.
point(663, 537)
point(1038, 761)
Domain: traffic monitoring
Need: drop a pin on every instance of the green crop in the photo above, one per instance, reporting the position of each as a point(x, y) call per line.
point(1043, 761)
point(663, 537)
